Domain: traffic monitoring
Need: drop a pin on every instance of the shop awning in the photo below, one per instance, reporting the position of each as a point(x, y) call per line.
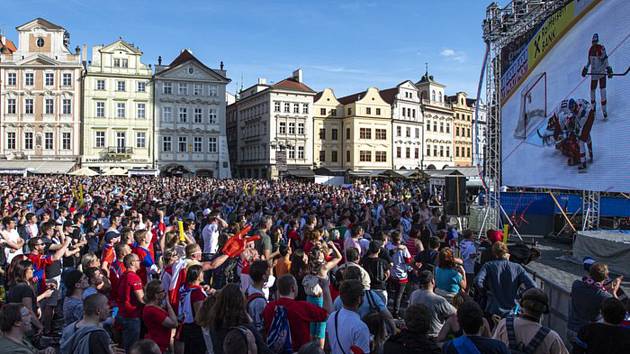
point(37, 166)
point(301, 172)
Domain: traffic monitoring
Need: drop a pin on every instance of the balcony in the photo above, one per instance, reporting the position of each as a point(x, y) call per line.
point(118, 153)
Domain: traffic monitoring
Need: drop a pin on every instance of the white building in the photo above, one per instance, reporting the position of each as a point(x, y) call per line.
point(406, 125)
point(267, 119)
point(190, 118)
point(438, 122)
point(117, 109)
point(480, 129)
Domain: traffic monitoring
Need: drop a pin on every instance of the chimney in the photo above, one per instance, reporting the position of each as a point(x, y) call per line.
point(3, 39)
point(160, 60)
point(262, 81)
point(221, 65)
point(297, 75)
point(84, 53)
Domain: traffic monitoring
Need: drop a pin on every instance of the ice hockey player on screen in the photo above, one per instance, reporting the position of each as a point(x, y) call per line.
point(598, 61)
point(569, 129)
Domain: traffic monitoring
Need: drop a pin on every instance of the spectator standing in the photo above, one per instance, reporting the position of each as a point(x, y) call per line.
point(22, 291)
point(191, 297)
point(352, 260)
point(468, 253)
point(414, 338)
point(131, 299)
point(525, 332)
point(471, 320)
point(15, 324)
point(399, 276)
point(608, 336)
point(439, 308)
point(344, 328)
point(87, 336)
point(256, 299)
point(377, 268)
point(450, 277)
point(76, 282)
point(158, 315)
point(13, 243)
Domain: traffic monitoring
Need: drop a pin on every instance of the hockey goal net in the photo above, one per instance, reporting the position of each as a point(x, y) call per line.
point(533, 107)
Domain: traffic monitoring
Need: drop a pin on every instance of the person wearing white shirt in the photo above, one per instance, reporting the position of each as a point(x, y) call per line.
point(210, 233)
point(344, 328)
point(12, 240)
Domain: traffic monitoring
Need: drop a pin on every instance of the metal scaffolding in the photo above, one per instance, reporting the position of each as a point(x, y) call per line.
point(590, 210)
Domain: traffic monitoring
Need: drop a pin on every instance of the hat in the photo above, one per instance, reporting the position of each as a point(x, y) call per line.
point(587, 262)
point(206, 212)
point(495, 235)
point(595, 37)
point(110, 235)
point(72, 210)
point(68, 223)
point(535, 300)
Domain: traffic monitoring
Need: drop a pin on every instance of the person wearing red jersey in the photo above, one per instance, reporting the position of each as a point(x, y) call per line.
point(117, 268)
point(130, 300)
point(144, 250)
point(109, 255)
point(598, 63)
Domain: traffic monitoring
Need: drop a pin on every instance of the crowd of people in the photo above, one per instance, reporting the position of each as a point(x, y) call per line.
point(195, 265)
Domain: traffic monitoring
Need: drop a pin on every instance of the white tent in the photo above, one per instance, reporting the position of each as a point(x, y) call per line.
point(84, 171)
point(116, 171)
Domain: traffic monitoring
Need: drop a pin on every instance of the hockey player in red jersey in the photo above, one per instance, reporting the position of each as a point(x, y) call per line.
point(598, 63)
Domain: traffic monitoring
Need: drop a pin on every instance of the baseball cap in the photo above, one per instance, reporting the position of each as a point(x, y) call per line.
point(206, 212)
point(109, 236)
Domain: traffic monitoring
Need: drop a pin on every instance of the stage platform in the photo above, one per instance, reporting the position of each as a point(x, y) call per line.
point(609, 246)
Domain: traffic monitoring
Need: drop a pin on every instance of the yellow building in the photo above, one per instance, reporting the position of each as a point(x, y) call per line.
point(118, 109)
point(366, 126)
point(462, 132)
point(327, 130)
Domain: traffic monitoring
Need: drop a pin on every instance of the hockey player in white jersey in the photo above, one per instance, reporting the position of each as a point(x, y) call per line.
point(569, 129)
point(598, 63)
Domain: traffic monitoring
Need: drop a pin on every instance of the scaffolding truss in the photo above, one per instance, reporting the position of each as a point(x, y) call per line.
point(590, 210)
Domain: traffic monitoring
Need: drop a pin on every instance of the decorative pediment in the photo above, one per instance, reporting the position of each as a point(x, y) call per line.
point(38, 60)
point(39, 23)
point(119, 45)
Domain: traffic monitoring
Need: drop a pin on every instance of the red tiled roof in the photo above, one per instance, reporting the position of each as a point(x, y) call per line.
point(318, 96)
point(351, 98)
point(389, 95)
point(10, 46)
point(292, 85)
point(186, 56)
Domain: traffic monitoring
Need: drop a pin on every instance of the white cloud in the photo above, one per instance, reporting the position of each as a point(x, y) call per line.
point(447, 52)
point(454, 55)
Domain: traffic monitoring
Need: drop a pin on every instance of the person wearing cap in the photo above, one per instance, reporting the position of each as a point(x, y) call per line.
point(108, 256)
point(438, 306)
point(525, 331)
point(587, 295)
point(501, 279)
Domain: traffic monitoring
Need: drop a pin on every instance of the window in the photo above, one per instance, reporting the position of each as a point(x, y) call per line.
point(365, 133)
point(441, 151)
point(468, 133)
point(305, 108)
point(368, 110)
point(408, 153)
point(167, 114)
point(291, 152)
point(183, 114)
point(381, 156)
point(334, 134)
point(428, 125)
point(440, 96)
point(212, 90)
point(404, 111)
point(212, 144)
point(182, 144)
point(212, 116)
point(408, 132)
point(349, 111)
point(142, 86)
point(141, 140)
point(398, 131)
point(282, 128)
point(291, 128)
point(125, 63)
point(322, 156)
point(448, 128)
point(416, 153)
point(417, 133)
point(100, 109)
point(48, 140)
point(49, 104)
point(182, 88)
point(287, 107)
point(65, 141)
point(456, 131)
point(66, 105)
point(365, 156)
point(413, 113)
point(433, 95)
point(301, 128)
point(197, 144)
point(333, 112)
point(167, 144)
point(448, 151)
point(28, 106)
point(99, 139)
point(29, 79)
point(322, 111)
point(11, 106)
point(12, 79)
point(296, 108)
point(120, 109)
point(428, 150)
point(348, 156)
point(197, 89)
point(276, 106)
point(457, 151)
point(67, 79)
point(100, 85)
point(333, 156)
point(435, 150)
point(49, 79)
point(347, 133)
point(120, 86)
point(142, 110)
point(441, 127)
point(378, 111)
point(28, 140)
point(11, 141)
point(198, 115)
point(322, 133)
point(167, 88)
point(467, 152)
point(116, 63)
point(398, 152)
point(300, 152)
point(435, 126)
point(381, 134)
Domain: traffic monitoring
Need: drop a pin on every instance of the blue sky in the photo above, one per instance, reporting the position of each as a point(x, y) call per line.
point(347, 45)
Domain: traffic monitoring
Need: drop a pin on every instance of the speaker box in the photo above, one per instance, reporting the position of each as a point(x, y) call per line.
point(455, 195)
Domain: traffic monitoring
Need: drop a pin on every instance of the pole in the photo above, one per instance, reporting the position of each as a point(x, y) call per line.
point(562, 211)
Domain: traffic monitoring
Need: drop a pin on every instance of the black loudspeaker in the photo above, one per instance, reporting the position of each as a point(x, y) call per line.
point(455, 195)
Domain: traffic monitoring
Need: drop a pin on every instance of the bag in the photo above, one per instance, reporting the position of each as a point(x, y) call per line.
point(463, 345)
point(371, 301)
point(521, 348)
point(279, 337)
point(253, 296)
point(523, 254)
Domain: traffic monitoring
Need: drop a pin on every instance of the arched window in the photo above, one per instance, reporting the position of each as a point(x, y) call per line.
point(440, 94)
point(433, 95)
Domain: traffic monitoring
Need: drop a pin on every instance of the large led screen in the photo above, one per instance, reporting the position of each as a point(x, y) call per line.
point(565, 96)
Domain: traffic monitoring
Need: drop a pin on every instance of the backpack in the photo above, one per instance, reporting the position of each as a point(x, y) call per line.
point(279, 335)
point(521, 348)
point(253, 296)
point(371, 302)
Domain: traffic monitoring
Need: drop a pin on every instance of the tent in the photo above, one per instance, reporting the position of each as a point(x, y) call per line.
point(84, 171)
point(116, 171)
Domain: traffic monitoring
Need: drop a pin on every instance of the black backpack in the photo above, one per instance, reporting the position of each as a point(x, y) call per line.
point(521, 348)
